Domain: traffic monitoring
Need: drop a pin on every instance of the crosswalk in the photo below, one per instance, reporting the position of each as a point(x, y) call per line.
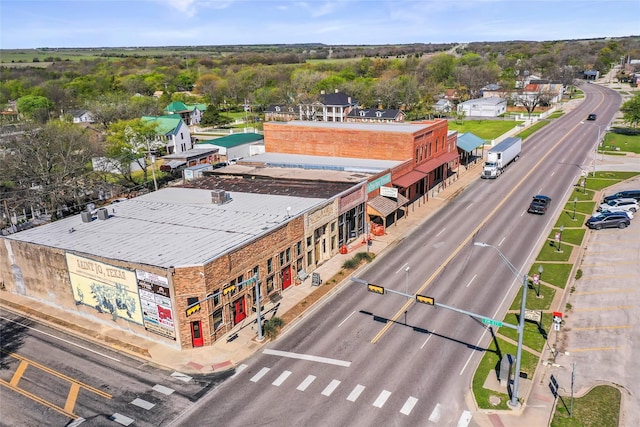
point(330, 387)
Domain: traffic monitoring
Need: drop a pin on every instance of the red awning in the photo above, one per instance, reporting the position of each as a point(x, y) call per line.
point(435, 163)
point(408, 179)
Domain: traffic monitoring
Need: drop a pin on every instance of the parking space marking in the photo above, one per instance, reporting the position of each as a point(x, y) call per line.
point(620, 307)
point(604, 292)
point(579, 350)
point(595, 328)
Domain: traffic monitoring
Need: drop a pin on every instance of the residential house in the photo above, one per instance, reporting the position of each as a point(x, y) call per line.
point(190, 113)
point(443, 107)
point(483, 107)
point(452, 95)
point(375, 115)
point(281, 113)
point(81, 116)
point(172, 131)
point(547, 92)
point(494, 91)
point(236, 146)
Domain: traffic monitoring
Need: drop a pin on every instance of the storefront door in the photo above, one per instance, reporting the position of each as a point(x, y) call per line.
point(196, 334)
point(286, 277)
point(239, 310)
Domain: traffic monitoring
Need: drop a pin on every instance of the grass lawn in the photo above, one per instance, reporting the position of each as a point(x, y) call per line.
point(554, 274)
point(598, 408)
point(534, 336)
point(532, 129)
point(485, 129)
point(533, 302)
point(618, 142)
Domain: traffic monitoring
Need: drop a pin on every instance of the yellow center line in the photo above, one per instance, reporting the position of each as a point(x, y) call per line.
point(72, 397)
point(61, 375)
point(620, 307)
point(15, 379)
point(595, 328)
point(578, 350)
point(38, 399)
point(443, 265)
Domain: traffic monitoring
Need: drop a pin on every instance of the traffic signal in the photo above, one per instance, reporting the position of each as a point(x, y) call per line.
point(375, 289)
point(425, 300)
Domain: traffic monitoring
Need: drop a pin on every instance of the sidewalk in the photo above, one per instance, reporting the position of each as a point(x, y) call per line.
point(225, 354)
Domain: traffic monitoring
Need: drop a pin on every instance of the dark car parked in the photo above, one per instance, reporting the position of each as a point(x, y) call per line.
point(539, 204)
point(611, 220)
point(625, 194)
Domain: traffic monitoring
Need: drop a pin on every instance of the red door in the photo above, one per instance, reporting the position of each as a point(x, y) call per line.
point(239, 312)
point(286, 277)
point(196, 334)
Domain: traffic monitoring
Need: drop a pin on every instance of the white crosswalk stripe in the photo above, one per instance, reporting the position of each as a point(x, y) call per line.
point(436, 414)
point(306, 383)
point(259, 375)
point(382, 398)
point(239, 369)
point(330, 388)
point(408, 405)
point(355, 393)
point(465, 419)
point(283, 376)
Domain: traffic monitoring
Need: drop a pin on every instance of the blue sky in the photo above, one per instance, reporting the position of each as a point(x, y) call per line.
point(118, 23)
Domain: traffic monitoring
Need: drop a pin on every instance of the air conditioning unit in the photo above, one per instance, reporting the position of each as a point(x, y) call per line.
point(86, 216)
point(218, 197)
point(103, 213)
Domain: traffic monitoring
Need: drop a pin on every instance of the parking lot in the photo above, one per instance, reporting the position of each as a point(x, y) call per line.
point(599, 336)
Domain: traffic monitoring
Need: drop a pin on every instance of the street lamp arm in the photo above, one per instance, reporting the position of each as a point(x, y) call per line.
point(512, 267)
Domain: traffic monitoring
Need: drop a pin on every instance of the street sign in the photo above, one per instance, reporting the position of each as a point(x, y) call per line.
point(556, 326)
point(557, 237)
point(533, 315)
point(375, 289)
point(557, 314)
point(425, 300)
point(491, 322)
point(536, 279)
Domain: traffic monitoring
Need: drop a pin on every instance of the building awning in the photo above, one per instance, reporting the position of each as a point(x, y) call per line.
point(175, 164)
point(435, 163)
point(469, 142)
point(408, 179)
point(384, 206)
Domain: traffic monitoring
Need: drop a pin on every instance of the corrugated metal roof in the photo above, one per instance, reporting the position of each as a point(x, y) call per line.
point(303, 161)
point(234, 140)
point(171, 227)
point(469, 142)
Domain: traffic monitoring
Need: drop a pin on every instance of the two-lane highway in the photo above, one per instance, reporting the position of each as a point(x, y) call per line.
point(367, 359)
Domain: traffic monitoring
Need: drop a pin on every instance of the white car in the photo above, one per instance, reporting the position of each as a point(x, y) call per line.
point(605, 213)
point(620, 205)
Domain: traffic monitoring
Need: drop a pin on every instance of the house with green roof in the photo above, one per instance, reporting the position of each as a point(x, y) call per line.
point(172, 131)
point(191, 114)
point(236, 146)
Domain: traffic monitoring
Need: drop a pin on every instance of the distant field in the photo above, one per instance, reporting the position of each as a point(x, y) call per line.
point(485, 129)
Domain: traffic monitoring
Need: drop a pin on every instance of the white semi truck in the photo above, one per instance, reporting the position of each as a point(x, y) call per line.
point(500, 156)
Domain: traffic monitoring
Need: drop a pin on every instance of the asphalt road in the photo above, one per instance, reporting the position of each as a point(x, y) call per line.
point(50, 378)
point(365, 359)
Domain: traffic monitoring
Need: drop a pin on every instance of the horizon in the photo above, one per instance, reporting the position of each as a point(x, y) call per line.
point(101, 24)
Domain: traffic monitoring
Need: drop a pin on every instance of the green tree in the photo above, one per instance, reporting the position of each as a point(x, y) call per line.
point(212, 117)
point(132, 142)
point(35, 107)
point(631, 111)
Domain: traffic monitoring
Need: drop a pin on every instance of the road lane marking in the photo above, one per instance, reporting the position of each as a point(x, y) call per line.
point(61, 339)
point(620, 307)
point(15, 379)
point(142, 403)
point(182, 377)
point(595, 328)
point(259, 375)
point(465, 419)
point(408, 405)
point(427, 340)
point(38, 399)
point(382, 398)
point(469, 237)
point(121, 419)
point(162, 389)
point(355, 393)
point(472, 279)
point(58, 374)
point(306, 383)
point(72, 397)
point(441, 231)
point(330, 388)
point(436, 414)
point(502, 241)
point(283, 376)
point(401, 269)
point(239, 369)
point(347, 318)
point(308, 357)
point(468, 206)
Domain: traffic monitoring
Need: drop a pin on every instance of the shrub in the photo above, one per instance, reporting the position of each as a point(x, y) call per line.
point(272, 327)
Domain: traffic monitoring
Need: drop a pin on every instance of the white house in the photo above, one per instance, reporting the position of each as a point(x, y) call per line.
point(173, 131)
point(483, 107)
point(81, 116)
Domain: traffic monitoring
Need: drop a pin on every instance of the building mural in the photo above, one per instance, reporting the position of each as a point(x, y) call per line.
point(104, 287)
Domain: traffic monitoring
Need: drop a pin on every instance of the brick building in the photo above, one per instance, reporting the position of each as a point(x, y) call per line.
point(177, 265)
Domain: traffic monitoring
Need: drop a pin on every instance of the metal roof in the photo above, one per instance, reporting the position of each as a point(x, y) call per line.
point(303, 161)
point(171, 227)
point(469, 142)
point(358, 126)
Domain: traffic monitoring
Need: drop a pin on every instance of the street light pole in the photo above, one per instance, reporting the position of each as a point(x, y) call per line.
point(575, 201)
point(540, 270)
point(407, 279)
point(560, 239)
point(514, 403)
